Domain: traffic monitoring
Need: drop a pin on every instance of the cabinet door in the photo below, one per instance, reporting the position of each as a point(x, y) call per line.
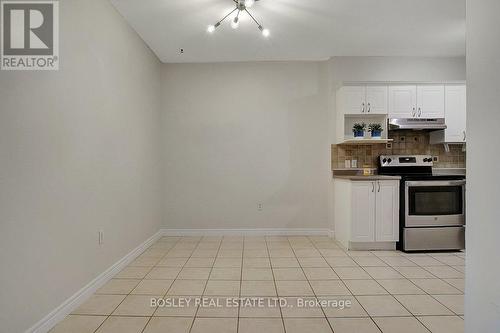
point(430, 101)
point(387, 211)
point(377, 99)
point(455, 113)
point(402, 101)
point(353, 99)
point(363, 212)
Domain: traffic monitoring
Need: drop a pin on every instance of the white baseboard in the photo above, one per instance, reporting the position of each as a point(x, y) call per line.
point(58, 314)
point(68, 306)
point(367, 246)
point(249, 232)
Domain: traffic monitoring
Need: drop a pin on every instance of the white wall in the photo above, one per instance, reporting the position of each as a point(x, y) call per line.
point(79, 152)
point(482, 289)
point(417, 69)
point(240, 134)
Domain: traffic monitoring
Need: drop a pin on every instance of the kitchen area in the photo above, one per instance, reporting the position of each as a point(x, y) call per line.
point(398, 165)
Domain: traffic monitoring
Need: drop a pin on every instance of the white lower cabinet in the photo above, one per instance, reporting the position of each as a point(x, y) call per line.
point(387, 211)
point(366, 213)
point(363, 212)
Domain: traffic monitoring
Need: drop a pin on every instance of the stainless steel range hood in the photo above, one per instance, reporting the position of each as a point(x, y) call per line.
point(429, 124)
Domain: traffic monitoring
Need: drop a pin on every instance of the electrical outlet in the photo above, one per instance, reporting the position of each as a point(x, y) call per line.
point(388, 145)
point(260, 207)
point(101, 237)
point(435, 159)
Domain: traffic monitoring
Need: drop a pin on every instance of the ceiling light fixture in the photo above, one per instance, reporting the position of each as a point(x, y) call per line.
point(249, 3)
point(236, 22)
point(241, 6)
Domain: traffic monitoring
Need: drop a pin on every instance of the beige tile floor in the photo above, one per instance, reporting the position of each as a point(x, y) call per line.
point(390, 291)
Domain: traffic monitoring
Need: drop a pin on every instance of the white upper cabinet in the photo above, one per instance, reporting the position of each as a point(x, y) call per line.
point(352, 99)
point(402, 101)
point(377, 99)
point(363, 99)
point(455, 115)
point(430, 101)
point(410, 101)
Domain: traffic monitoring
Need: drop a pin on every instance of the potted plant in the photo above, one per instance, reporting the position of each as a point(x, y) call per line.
point(359, 130)
point(375, 130)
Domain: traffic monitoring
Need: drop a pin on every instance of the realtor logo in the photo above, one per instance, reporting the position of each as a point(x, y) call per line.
point(30, 35)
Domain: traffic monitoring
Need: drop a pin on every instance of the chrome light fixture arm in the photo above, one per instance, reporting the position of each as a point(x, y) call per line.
point(225, 17)
point(253, 18)
point(240, 7)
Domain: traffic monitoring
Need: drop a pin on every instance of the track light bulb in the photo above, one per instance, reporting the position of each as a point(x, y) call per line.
point(211, 28)
point(235, 23)
point(266, 32)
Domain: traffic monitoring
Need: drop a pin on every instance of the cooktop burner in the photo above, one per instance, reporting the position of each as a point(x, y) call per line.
point(410, 167)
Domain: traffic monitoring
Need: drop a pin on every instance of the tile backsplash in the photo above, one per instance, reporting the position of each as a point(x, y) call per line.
point(405, 142)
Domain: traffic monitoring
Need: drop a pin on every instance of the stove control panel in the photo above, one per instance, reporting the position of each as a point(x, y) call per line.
point(405, 160)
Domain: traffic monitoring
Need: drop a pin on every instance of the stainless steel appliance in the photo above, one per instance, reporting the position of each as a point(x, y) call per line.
point(432, 211)
point(429, 124)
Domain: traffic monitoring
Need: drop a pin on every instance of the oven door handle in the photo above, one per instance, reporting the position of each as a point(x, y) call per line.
point(435, 183)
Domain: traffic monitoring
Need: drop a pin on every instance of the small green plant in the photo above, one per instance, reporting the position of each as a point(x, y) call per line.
point(359, 130)
point(359, 127)
point(375, 128)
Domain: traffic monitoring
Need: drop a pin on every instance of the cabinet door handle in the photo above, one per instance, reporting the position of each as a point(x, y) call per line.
point(362, 107)
point(378, 186)
point(419, 112)
point(413, 113)
point(373, 187)
point(369, 107)
point(465, 135)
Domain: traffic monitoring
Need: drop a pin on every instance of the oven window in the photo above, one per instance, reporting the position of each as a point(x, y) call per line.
point(435, 200)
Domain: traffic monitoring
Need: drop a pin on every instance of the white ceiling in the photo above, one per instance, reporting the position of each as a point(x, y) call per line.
point(300, 29)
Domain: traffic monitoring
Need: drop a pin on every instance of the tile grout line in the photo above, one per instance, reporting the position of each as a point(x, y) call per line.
point(156, 309)
point(308, 282)
point(390, 294)
point(310, 242)
point(206, 282)
point(354, 296)
point(241, 283)
point(142, 279)
point(275, 287)
point(425, 292)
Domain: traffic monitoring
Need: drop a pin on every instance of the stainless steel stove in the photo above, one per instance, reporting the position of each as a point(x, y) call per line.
point(432, 208)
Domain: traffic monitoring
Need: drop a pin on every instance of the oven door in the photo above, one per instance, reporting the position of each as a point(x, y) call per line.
point(432, 203)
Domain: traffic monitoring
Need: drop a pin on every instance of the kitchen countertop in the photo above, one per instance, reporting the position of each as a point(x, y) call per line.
point(371, 177)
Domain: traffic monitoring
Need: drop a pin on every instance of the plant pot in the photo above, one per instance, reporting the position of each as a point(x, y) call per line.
point(359, 134)
point(376, 134)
